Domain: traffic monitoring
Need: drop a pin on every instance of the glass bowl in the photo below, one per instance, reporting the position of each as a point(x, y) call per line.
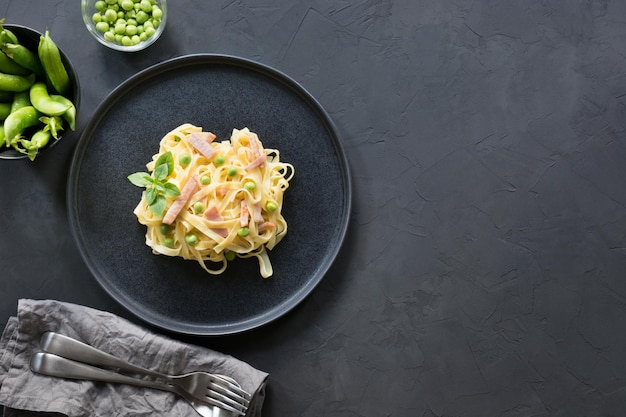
point(131, 28)
point(30, 38)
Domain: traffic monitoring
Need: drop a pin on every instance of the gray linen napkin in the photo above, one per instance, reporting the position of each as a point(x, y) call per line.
point(24, 393)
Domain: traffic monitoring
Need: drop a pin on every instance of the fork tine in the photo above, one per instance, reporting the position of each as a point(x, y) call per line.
point(218, 380)
point(223, 406)
point(228, 393)
point(214, 395)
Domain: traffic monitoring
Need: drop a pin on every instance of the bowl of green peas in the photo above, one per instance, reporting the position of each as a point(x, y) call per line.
point(125, 25)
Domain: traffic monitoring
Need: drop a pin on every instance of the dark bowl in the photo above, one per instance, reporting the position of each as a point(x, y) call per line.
point(30, 39)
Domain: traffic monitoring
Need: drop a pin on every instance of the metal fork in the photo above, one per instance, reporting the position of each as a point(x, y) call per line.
point(52, 365)
point(199, 386)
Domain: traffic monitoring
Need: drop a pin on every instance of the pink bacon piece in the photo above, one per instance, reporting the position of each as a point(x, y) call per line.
point(259, 161)
point(256, 214)
point(245, 214)
point(202, 143)
point(214, 215)
point(188, 190)
point(265, 226)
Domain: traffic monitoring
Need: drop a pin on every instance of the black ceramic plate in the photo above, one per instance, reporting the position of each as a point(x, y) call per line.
point(218, 93)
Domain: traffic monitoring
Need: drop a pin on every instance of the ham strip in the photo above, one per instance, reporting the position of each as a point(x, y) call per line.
point(188, 190)
point(265, 226)
point(245, 214)
point(259, 161)
point(256, 213)
point(214, 215)
point(202, 143)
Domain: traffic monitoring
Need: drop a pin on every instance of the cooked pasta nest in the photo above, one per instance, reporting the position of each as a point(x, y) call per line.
point(230, 202)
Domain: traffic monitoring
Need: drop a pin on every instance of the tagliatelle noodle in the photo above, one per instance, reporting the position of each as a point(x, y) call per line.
point(217, 226)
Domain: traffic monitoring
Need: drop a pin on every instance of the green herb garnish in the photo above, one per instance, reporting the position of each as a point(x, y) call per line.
point(158, 189)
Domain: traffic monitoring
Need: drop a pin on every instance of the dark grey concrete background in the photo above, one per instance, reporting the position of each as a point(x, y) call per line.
point(484, 270)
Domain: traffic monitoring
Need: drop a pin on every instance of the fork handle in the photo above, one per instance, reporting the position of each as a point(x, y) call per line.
point(57, 366)
point(69, 348)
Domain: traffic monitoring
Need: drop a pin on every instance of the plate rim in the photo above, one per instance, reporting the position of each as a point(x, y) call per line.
point(158, 319)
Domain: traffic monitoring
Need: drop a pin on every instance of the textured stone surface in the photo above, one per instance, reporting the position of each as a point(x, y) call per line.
point(484, 269)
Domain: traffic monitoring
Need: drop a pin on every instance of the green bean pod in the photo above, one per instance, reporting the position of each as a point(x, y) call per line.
point(8, 66)
point(2, 137)
point(21, 99)
point(6, 36)
point(23, 57)
point(16, 83)
point(41, 100)
point(5, 110)
point(70, 115)
point(50, 58)
point(18, 121)
point(40, 139)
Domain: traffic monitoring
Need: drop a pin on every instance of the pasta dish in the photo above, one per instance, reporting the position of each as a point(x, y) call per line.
point(226, 202)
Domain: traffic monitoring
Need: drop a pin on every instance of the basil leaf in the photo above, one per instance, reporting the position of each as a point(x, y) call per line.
point(140, 179)
point(166, 160)
point(151, 195)
point(170, 190)
point(158, 206)
point(160, 172)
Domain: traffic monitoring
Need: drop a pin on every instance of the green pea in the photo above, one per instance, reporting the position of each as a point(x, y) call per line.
point(135, 39)
point(96, 18)
point(157, 13)
point(232, 171)
point(126, 41)
point(198, 207)
point(165, 229)
point(141, 17)
point(146, 6)
point(127, 4)
point(205, 180)
point(219, 160)
point(169, 242)
point(184, 159)
point(109, 35)
point(101, 5)
point(120, 28)
point(271, 206)
point(230, 255)
point(110, 15)
point(102, 27)
point(249, 185)
point(191, 239)
point(243, 232)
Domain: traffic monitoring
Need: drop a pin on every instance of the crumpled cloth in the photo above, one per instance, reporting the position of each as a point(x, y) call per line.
point(24, 393)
